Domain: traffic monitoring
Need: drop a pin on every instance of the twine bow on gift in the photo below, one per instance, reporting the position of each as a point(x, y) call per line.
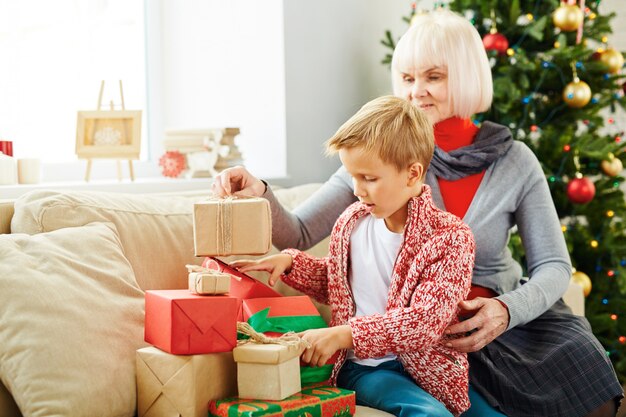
point(288, 339)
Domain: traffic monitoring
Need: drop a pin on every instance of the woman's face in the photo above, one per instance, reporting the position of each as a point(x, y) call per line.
point(427, 88)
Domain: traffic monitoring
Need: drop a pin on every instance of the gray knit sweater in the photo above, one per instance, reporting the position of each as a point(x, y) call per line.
point(513, 192)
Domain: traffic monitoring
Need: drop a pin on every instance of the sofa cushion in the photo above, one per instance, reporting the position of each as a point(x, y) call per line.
point(70, 323)
point(156, 231)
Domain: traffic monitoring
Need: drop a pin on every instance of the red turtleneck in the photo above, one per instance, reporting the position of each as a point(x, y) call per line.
point(451, 134)
point(457, 195)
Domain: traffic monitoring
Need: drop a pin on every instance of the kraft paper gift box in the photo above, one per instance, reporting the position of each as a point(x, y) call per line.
point(315, 401)
point(209, 283)
point(267, 371)
point(275, 315)
point(183, 323)
point(232, 226)
point(177, 385)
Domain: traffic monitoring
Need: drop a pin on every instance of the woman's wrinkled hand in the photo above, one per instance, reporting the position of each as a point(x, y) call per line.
point(276, 265)
point(237, 181)
point(490, 321)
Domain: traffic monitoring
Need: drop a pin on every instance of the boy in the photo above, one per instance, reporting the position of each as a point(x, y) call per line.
point(396, 271)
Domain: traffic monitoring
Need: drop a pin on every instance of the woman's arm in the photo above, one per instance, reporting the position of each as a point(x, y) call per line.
point(547, 258)
point(312, 220)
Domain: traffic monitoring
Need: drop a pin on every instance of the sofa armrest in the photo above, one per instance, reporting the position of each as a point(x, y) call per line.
point(575, 298)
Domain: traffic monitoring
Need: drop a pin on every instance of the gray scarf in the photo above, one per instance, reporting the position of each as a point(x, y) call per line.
point(492, 141)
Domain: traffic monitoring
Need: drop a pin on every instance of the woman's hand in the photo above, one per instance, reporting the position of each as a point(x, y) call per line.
point(237, 181)
point(325, 342)
point(276, 265)
point(490, 321)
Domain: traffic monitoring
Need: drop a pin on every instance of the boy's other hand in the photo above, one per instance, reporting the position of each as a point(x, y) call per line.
point(237, 181)
point(276, 265)
point(490, 321)
point(325, 342)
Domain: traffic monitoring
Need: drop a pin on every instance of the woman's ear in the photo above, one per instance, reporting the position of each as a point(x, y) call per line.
point(416, 172)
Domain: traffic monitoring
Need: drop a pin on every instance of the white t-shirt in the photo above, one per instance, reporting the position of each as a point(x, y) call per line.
point(373, 252)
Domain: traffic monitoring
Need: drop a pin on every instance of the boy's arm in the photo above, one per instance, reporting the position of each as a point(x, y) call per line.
point(434, 303)
point(308, 274)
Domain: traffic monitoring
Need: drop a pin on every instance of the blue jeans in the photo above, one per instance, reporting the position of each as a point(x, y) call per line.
point(390, 388)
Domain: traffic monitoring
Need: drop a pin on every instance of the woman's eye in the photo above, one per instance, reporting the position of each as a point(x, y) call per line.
point(407, 79)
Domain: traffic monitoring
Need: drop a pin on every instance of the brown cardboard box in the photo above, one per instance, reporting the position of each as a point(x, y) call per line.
point(182, 385)
point(267, 372)
point(209, 283)
point(232, 226)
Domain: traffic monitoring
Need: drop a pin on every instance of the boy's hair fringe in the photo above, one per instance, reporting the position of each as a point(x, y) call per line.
point(391, 128)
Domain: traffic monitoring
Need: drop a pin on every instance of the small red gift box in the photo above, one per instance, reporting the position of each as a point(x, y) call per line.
point(183, 323)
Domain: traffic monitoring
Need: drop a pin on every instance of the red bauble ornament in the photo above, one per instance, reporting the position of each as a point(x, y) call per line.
point(172, 164)
point(496, 42)
point(581, 190)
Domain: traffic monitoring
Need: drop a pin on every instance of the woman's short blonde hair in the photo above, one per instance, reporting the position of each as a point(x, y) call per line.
point(445, 39)
point(391, 128)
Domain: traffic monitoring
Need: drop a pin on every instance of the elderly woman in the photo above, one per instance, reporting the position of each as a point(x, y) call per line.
point(529, 356)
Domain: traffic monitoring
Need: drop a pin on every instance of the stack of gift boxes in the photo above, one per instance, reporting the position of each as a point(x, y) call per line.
point(197, 367)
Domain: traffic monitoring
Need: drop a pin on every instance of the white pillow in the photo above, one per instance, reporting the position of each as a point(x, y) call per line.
point(70, 322)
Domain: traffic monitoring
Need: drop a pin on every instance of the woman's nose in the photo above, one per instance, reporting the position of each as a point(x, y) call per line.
point(417, 89)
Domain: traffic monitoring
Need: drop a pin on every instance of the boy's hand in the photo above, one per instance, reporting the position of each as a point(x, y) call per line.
point(325, 342)
point(276, 265)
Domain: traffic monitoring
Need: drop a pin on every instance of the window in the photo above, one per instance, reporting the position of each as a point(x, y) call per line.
point(54, 56)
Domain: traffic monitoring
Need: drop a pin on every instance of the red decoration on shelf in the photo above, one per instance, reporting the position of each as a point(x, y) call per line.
point(581, 190)
point(496, 42)
point(172, 163)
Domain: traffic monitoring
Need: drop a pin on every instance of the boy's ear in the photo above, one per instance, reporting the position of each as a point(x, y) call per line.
point(416, 171)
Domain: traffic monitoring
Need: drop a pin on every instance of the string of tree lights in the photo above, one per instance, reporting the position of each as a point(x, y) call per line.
point(558, 83)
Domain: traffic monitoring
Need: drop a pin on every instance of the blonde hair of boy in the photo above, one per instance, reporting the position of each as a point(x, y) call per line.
point(444, 39)
point(391, 128)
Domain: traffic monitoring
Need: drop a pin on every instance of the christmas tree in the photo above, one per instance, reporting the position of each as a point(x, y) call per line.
point(557, 82)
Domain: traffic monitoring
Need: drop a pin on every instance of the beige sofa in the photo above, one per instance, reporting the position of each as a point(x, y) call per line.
point(73, 267)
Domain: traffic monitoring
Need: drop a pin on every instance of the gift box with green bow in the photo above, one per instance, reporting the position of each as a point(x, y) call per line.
point(313, 401)
point(278, 315)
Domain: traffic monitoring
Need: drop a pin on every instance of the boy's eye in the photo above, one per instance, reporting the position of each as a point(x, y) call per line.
point(369, 179)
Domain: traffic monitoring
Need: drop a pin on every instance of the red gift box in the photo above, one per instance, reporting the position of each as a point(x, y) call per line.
point(242, 286)
point(280, 306)
point(183, 323)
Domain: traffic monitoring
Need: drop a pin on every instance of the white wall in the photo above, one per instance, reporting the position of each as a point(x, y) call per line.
point(216, 63)
point(332, 68)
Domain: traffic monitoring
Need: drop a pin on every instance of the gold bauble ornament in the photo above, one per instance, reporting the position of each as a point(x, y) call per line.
point(612, 167)
point(577, 94)
point(568, 17)
point(613, 59)
point(583, 280)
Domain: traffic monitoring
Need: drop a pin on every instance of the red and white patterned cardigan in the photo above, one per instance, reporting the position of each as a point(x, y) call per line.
point(432, 273)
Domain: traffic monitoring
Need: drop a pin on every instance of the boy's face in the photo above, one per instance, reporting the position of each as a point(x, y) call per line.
point(380, 186)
